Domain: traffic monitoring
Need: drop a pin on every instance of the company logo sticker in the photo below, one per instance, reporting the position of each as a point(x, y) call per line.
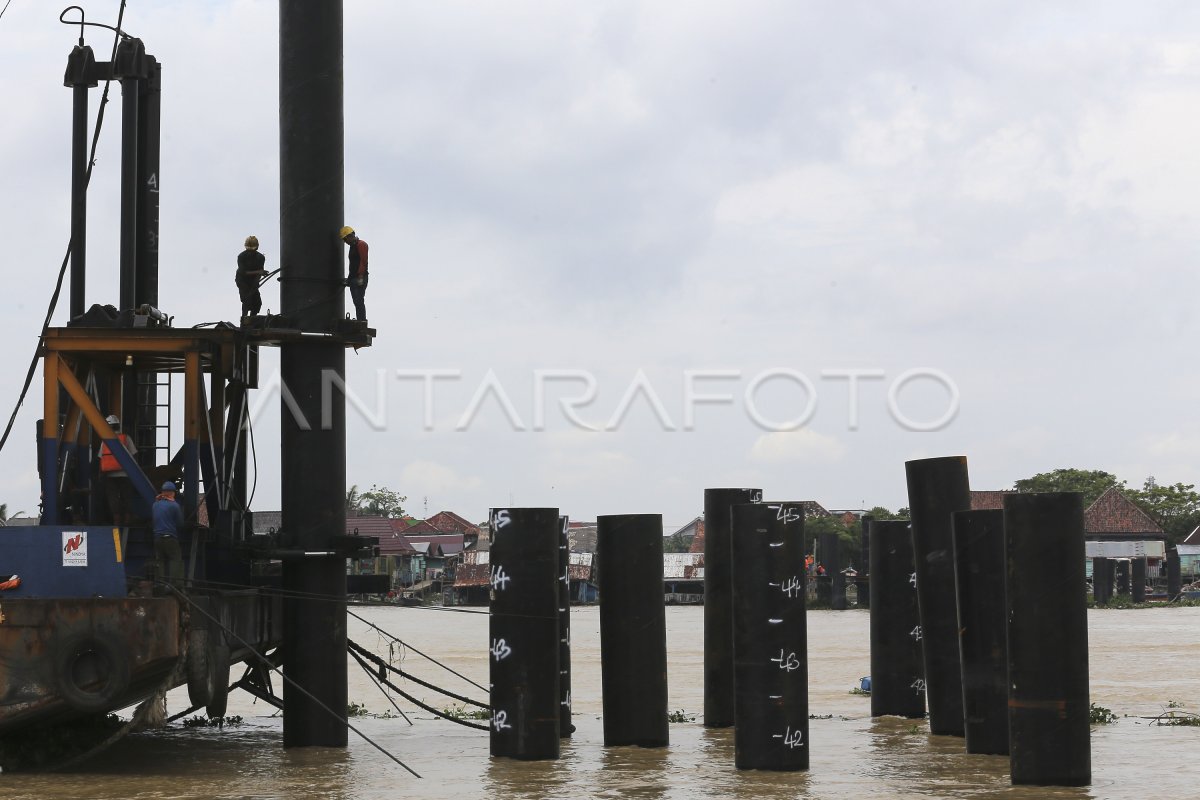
point(74, 549)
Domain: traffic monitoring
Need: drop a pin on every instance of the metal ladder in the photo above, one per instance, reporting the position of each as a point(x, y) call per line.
point(154, 395)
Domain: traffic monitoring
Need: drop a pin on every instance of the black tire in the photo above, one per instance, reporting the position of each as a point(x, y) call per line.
point(218, 674)
point(198, 659)
point(91, 671)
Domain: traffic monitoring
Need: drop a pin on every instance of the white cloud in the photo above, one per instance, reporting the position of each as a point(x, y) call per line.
point(1003, 192)
point(791, 446)
point(419, 478)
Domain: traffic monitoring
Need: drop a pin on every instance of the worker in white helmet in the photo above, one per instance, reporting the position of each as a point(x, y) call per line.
point(118, 489)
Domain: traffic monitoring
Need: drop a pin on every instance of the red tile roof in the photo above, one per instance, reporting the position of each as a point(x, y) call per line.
point(395, 544)
point(369, 526)
point(989, 500)
point(449, 522)
point(412, 525)
point(1115, 514)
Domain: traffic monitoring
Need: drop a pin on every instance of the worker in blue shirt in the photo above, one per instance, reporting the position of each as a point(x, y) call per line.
point(168, 519)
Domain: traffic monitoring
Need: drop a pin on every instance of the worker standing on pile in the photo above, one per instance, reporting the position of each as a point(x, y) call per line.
point(249, 271)
point(356, 276)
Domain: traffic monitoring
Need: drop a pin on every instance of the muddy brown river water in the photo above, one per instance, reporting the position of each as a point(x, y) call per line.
point(1140, 660)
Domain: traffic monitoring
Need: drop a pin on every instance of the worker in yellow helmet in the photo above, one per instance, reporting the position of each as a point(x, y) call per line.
point(356, 276)
point(249, 271)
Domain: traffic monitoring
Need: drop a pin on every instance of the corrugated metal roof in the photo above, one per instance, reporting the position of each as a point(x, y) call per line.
point(266, 521)
point(473, 575)
point(683, 566)
point(1127, 549)
point(450, 543)
point(579, 566)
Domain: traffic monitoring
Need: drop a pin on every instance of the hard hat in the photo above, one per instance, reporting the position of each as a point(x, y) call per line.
point(168, 487)
point(252, 242)
point(113, 419)
point(345, 231)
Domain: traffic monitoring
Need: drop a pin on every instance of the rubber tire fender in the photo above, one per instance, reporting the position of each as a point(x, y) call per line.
point(218, 680)
point(84, 652)
point(198, 660)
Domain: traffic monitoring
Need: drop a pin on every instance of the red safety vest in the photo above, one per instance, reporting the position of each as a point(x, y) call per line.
point(108, 462)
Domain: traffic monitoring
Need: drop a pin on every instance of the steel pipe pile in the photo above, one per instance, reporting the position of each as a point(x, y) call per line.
point(897, 664)
point(770, 637)
point(523, 628)
point(565, 726)
point(313, 430)
point(937, 487)
point(633, 629)
point(1102, 580)
point(718, 603)
point(1174, 577)
point(1138, 580)
point(1049, 713)
point(979, 583)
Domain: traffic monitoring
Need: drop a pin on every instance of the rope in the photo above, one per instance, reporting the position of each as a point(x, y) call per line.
point(286, 679)
point(418, 703)
point(379, 684)
point(415, 650)
point(379, 662)
point(330, 598)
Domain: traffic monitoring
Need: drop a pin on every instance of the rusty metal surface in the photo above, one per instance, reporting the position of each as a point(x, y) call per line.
point(683, 566)
point(145, 630)
point(472, 575)
point(32, 633)
point(580, 566)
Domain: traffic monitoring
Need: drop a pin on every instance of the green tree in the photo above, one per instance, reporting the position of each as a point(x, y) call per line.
point(378, 501)
point(1175, 508)
point(677, 543)
point(879, 512)
point(1091, 482)
point(353, 500)
point(815, 526)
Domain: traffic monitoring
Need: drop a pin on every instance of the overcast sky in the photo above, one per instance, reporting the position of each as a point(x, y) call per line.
point(988, 210)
